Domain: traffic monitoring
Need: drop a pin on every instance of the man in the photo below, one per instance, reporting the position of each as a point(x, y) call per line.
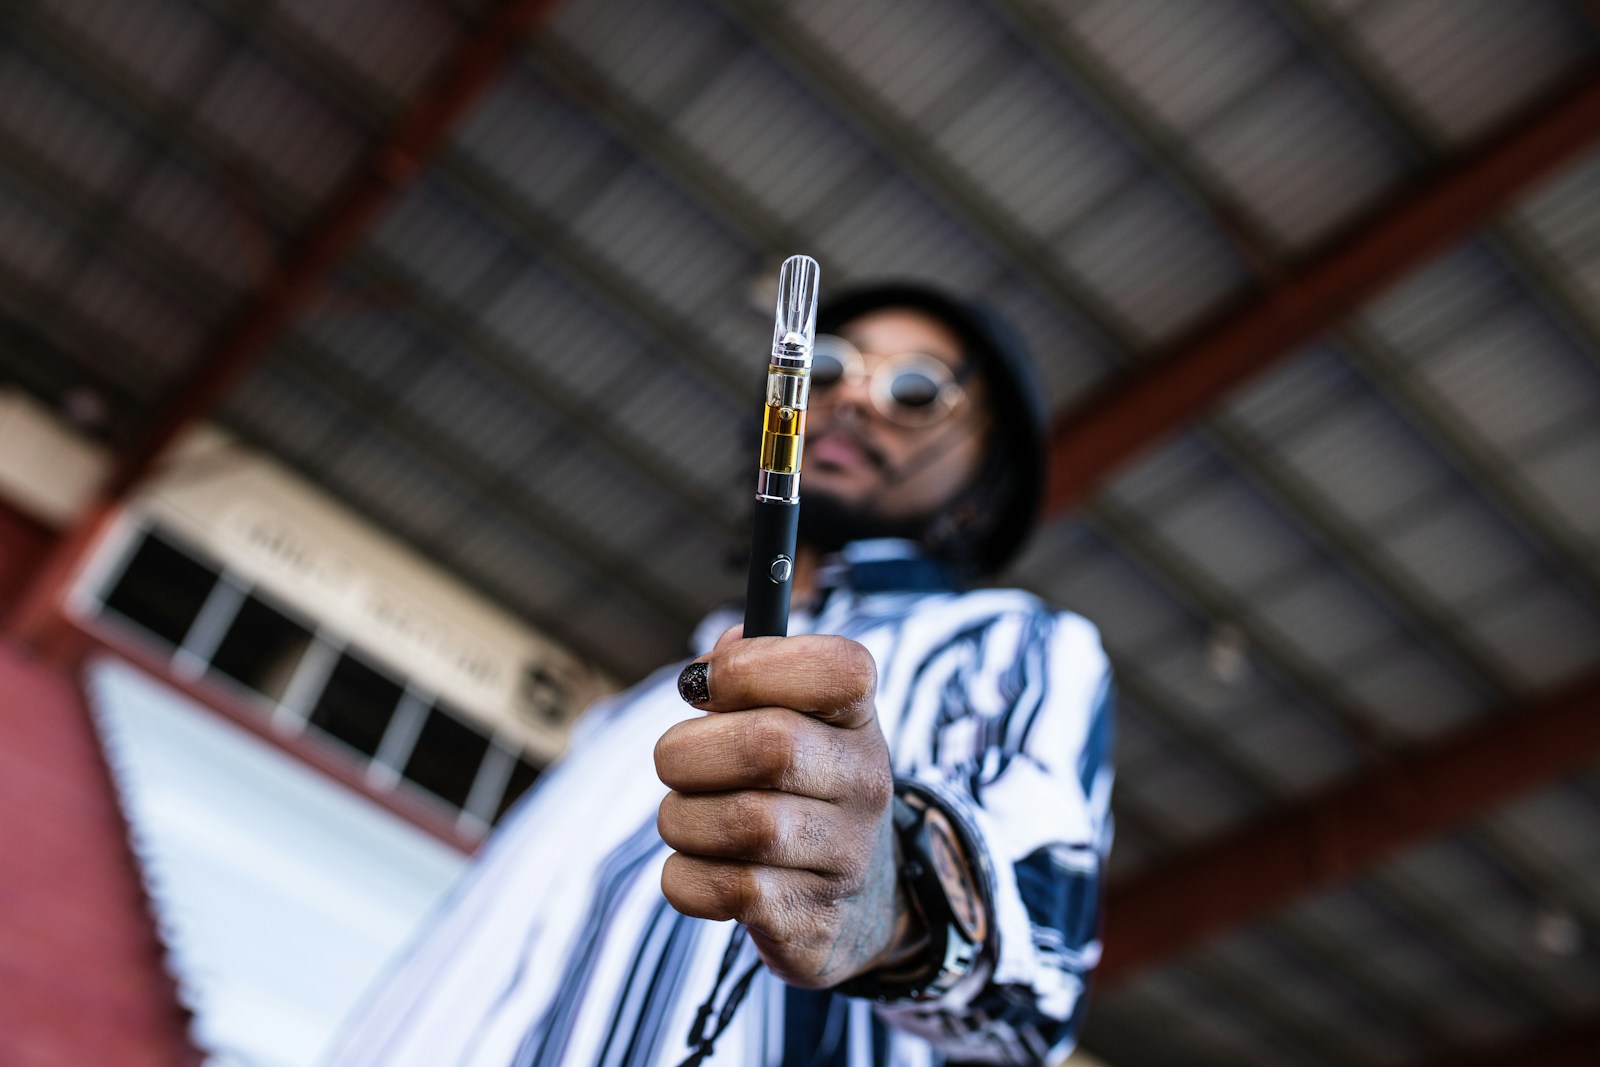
point(904, 806)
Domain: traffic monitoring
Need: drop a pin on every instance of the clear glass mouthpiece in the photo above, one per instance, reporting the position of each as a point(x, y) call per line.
point(796, 325)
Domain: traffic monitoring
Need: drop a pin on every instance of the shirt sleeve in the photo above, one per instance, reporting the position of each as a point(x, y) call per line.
point(1021, 756)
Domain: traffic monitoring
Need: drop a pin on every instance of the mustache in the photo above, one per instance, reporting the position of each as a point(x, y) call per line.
point(855, 436)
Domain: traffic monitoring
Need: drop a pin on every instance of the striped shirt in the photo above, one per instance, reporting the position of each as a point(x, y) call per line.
point(558, 947)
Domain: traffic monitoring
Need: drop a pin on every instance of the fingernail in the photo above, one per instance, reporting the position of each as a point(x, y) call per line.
point(692, 685)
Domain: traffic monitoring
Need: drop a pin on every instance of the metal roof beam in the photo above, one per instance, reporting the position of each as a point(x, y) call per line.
point(1524, 255)
point(1140, 410)
point(302, 355)
point(1350, 828)
point(1576, 1045)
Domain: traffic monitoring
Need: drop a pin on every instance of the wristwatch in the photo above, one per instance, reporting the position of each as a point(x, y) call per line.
point(946, 879)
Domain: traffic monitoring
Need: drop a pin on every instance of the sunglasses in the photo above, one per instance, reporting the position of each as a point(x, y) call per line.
point(910, 389)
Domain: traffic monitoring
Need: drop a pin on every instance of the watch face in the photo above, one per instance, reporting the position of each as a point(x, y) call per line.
point(956, 876)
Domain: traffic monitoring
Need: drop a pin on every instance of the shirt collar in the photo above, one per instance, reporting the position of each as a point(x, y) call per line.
point(883, 565)
point(878, 565)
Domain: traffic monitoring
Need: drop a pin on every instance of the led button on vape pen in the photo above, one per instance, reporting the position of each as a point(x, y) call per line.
point(781, 569)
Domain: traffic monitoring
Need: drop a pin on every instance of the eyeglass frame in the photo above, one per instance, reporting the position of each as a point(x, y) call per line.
point(950, 380)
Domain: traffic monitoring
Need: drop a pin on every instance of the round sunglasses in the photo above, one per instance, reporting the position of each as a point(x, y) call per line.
point(910, 389)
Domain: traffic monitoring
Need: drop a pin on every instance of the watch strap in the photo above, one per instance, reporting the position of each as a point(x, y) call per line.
point(944, 876)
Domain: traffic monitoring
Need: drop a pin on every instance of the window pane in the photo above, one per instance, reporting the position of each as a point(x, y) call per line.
point(523, 775)
point(262, 648)
point(356, 704)
point(162, 589)
point(447, 757)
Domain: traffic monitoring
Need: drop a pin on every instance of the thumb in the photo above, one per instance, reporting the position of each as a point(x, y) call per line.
point(730, 635)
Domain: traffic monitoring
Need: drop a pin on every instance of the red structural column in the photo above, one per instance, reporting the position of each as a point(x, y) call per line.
point(1137, 412)
point(82, 973)
point(387, 171)
point(1347, 830)
point(82, 976)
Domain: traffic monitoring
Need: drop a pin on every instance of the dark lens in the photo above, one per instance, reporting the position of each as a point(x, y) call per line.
point(914, 389)
point(826, 369)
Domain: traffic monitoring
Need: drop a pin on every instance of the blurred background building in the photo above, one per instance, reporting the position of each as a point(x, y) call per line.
point(374, 382)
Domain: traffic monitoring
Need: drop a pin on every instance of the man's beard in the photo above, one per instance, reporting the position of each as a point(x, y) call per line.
point(828, 523)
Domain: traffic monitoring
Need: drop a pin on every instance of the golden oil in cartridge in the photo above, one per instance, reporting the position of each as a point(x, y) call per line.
point(784, 423)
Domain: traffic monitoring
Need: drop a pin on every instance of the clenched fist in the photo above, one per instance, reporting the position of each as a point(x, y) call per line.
point(779, 809)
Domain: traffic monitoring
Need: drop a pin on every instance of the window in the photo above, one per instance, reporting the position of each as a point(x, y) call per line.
point(523, 775)
point(162, 588)
point(356, 704)
point(446, 757)
point(216, 622)
point(262, 648)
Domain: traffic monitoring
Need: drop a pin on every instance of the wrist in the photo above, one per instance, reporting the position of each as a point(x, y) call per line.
point(909, 940)
point(942, 896)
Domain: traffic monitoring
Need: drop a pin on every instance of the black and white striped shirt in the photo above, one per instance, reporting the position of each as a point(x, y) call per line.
point(558, 947)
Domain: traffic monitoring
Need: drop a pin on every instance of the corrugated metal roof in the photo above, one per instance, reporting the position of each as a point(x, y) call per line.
point(274, 125)
point(538, 145)
point(1543, 631)
point(1459, 549)
point(1298, 156)
point(1470, 63)
point(1327, 615)
point(893, 229)
point(1564, 477)
point(157, 332)
point(1232, 535)
point(1154, 262)
point(1365, 461)
point(782, 147)
point(1184, 61)
point(31, 246)
point(440, 242)
point(159, 45)
point(1035, 148)
point(1069, 359)
point(648, 231)
point(535, 368)
point(1513, 378)
point(651, 48)
point(397, 44)
point(46, 117)
point(544, 320)
point(1414, 695)
point(216, 228)
point(889, 45)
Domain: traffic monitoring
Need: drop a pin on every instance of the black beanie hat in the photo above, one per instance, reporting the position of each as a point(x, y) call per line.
point(1011, 481)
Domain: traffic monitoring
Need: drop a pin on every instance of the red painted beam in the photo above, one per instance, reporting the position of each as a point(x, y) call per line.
point(1137, 412)
point(1348, 829)
point(1577, 1045)
point(386, 172)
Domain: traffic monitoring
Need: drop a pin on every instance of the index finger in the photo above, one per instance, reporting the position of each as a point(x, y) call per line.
point(833, 679)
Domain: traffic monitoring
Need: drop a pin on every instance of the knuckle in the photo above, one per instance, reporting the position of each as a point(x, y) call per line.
point(860, 665)
point(877, 788)
point(853, 671)
point(755, 822)
point(668, 752)
point(769, 748)
point(667, 822)
point(737, 892)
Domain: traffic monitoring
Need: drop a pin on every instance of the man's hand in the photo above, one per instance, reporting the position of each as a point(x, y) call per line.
point(779, 809)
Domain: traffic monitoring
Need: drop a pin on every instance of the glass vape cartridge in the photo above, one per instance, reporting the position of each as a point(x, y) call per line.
point(783, 424)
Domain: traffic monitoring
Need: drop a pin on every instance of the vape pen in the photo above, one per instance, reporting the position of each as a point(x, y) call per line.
point(783, 424)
